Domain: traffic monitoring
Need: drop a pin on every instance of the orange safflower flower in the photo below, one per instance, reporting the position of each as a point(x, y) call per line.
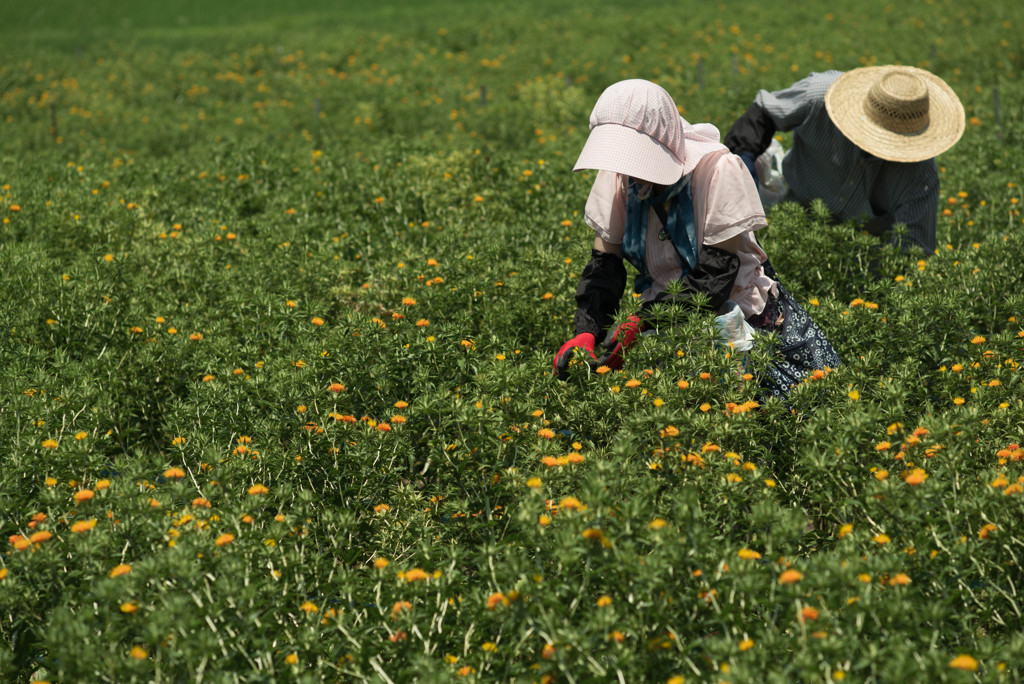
point(119, 570)
point(83, 526)
point(790, 576)
point(571, 503)
point(964, 662)
point(415, 575)
point(916, 477)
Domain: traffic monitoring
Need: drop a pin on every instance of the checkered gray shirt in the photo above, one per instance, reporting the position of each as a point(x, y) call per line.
point(854, 184)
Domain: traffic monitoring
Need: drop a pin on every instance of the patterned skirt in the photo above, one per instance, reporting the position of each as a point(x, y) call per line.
point(802, 347)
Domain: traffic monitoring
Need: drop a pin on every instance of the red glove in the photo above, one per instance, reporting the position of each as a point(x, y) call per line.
point(564, 355)
point(623, 337)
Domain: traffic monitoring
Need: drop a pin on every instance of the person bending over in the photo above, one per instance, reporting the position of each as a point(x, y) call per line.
point(674, 202)
point(864, 141)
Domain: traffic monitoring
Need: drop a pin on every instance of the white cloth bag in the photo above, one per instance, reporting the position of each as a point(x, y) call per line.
point(771, 186)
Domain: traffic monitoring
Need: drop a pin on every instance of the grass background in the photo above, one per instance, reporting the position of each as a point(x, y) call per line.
point(213, 213)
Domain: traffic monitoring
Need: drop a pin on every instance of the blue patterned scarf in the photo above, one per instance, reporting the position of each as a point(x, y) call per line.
point(679, 226)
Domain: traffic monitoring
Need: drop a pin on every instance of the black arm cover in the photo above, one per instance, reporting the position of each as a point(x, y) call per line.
point(714, 275)
point(751, 133)
point(598, 294)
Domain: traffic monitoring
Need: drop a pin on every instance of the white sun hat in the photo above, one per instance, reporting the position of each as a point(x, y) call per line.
point(896, 113)
point(636, 130)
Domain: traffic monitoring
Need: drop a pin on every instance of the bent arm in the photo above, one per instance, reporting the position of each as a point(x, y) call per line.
point(781, 110)
point(751, 134)
point(601, 286)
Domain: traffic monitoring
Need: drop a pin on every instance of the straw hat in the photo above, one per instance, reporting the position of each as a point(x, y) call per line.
point(901, 114)
point(636, 130)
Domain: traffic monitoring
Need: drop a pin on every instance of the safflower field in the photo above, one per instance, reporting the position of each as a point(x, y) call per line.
point(281, 290)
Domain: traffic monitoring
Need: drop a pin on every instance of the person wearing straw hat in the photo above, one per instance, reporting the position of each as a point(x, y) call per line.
point(864, 141)
point(671, 200)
